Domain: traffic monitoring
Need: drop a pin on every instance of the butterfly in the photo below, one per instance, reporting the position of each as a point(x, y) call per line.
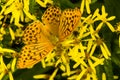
point(39, 36)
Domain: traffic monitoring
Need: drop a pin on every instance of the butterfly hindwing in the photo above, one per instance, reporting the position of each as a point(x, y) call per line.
point(68, 22)
point(32, 54)
point(37, 45)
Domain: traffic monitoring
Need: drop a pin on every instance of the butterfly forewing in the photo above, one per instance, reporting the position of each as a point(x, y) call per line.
point(51, 18)
point(36, 48)
point(32, 54)
point(33, 33)
point(68, 22)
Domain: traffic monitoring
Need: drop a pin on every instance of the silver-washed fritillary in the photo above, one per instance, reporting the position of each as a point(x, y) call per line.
point(37, 35)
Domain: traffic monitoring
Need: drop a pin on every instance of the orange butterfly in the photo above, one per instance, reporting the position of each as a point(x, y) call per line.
point(40, 37)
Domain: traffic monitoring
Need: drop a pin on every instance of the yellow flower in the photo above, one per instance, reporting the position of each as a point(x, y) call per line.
point(17, 7)
point(76, 56)
point(85, 3)
point(104, 19)
point(44, 2)
point(14, 7)
point(91, 18)
point(87, 23)
point(5, 69)
point(97, 41)
point(118, 31)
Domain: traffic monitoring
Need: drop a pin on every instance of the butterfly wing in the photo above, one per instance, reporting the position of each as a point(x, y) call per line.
point(36, 48)
point(68, 22)
point(51, 18)
point(32, 54)
point(33, 33)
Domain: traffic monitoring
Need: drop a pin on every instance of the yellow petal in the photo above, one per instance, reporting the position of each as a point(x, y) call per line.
point(48, 1)
point(92, 66)
point(2, 30)
point(82, 49)
point(2, 75)
point(9, 9)
point(94, 58)
point(88, 77)
point(107, 50)
point(111, 18)
point(62, 67)
point(4, 67)
point(103, 10)
point(95, 13)
point(116, 77)
point(22, 16)
point(104, 52)
point(77, 64)
point(103, 76)
point(68, 69)
point(53, 74)
point(99, 26)
point(10, 76)
point(13, 64)
point(88, 7)
point(57, 62)
point(9, 2)
point(82, 6)
point(12, 33)
point(6, 50)
point(1, 16)
point(94, 76)
point(26, 5)
point(72, 77)
point(41, 76)
point(99, 62)
point(110, 26)
point(29, 15)
point(71, 72)
point(89, 45)
point(81, 74)
point(63, 58)
point(93, 49)
point(43, 63)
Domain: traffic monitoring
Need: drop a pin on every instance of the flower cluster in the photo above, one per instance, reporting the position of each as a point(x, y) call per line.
point(10, 67)
point(77, 57)
point(82, 50)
